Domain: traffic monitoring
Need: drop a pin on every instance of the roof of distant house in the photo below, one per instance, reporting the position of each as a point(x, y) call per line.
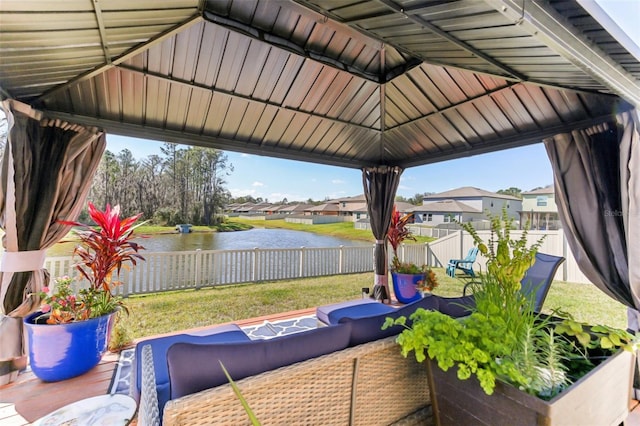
point(359, 207)
point(404, 207)
point(468, 192)
point(446, 206)
point(546, 190)
point(326, 207)
point(296, 208)
point(354, 199)
point(259, 207)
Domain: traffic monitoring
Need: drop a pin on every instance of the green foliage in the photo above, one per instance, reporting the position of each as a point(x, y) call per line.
point(503, 338)
point(597, 336)
point(552, 353)
point(507, 259)
point(513, 191)
point(176, 185)
point(121, 334)
point(409, 268)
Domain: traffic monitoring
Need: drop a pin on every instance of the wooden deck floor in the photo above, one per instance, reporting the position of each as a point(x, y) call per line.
point(28, 398)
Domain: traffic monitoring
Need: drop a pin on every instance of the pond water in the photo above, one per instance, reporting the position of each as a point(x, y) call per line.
point(238, 240)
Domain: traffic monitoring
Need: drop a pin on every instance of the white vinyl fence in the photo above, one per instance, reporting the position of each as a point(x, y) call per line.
point(200, 268)
point(166, 271)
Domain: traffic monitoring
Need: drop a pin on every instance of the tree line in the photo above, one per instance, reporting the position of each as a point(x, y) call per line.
point(181, 185)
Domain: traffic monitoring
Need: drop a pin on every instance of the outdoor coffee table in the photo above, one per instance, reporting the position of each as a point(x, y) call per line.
point(107, 410)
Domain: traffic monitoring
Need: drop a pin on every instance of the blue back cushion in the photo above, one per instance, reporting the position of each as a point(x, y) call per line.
point(195, 367)
point(160, 345)
point(368, 329)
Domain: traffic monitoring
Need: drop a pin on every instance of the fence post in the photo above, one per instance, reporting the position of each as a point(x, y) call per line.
point(565, 264)
point(254, 269)
point(427, 255)
point(301, 262)
point(196, 272)
point(340, 256)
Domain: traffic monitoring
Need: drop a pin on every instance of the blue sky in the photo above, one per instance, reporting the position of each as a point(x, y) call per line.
point(274, 179)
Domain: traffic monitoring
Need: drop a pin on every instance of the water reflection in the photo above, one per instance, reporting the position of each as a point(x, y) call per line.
point(261, 238)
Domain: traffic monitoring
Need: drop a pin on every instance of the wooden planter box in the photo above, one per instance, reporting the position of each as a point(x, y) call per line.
point(600, 398)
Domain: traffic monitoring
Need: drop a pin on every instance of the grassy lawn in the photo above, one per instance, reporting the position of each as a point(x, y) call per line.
point(167, 312)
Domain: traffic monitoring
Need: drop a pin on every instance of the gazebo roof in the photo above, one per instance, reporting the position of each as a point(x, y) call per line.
point(351, 83)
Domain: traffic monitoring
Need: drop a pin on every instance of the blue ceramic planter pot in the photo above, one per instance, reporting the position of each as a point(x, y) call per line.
point(404, 286)
point(62, 351)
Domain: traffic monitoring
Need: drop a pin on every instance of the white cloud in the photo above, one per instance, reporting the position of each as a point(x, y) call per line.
point(235, 192)
point(337, 181)
point(256, 183)
point(279, 196)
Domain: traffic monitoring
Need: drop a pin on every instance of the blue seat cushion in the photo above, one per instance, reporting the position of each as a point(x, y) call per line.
point(323, 312)
point(160, 345)
point(359, 311)
point(367, 329)
point(195, 367)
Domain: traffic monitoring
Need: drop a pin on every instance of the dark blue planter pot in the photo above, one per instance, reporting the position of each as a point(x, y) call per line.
point(404, 286)
point(62, 351)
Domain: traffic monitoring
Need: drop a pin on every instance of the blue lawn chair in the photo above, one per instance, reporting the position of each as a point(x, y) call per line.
point(537, 280)
point(465, 265)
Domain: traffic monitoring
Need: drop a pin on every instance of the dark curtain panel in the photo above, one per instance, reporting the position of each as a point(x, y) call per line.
point(597, 185)
point(47, 169)
point(380, 186)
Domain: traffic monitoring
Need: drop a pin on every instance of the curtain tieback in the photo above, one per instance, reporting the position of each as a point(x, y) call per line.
point(380, 241)
point(22, 261)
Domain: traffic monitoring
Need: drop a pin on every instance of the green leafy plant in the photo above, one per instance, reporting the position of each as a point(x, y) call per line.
point(62, 304)
point(121, 335)
point(104, 252)
point(502, 338)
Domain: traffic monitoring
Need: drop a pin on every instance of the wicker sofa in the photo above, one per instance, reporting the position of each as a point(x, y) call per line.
point(370, 384)
point(350, 373)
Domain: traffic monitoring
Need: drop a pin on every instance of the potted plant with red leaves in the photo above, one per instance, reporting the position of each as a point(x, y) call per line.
point(409, 280)
point(69, 324)
point(397, 233)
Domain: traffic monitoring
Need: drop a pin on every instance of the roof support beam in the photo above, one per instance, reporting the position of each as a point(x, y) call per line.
point(102, 30)
point(305, 52)
point(216, 142)
point(550, 27)
point(436, 30)
point(498, 144)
